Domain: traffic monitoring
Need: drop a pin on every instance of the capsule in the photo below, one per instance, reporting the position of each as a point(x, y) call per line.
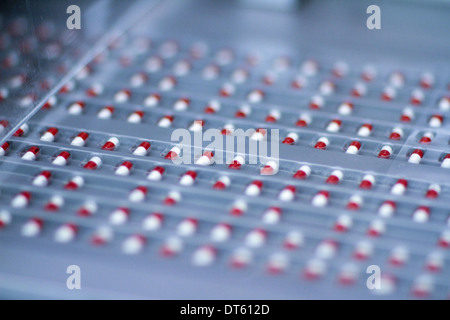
point(75, 183)
point(50, 103)
point(353, 147)
point(165, 121)
point(399, 188)
point(399, 256)
point(272, 215)
point(221, 232)
point(212, 107)
point(316, 102)
point(433, 191)
point(42, 179)
point(210, 72)
point(365, 130)
point(273, 116)
point(187, 227)
point(188, 178)
point(5, 218)
point(196, 126)
point(335, 177)
point(122, 96)
point(54, 204)
point(309, 67)
point(241, 258)
point(135, 117)
point(134, 244)
point(256, 238)
point(152, 100)
point(4, 148)
point(182, 68)
point(434, 262)
point(326, 249)
point(304, 120)
point(138, 80)
point(243, 112)
point(396, 134)
point(102, 236)
point(31, 154)
point(68, 87)
point(355, 202)
point(227, 90)
point(427, 80)
point(32, 227)
point(322, 143)
point(119, 216)
point(314, 269)
point(4, 93)
point(111, 144)
point(416, 156)
point(367, 182)
point(385, 152)
point(80, 139)
point(171, 247)
point(204, 256)
point(321, 199)
point(299, 82)
point(3, 125)
point(417, 97)
point(340, 69)
point(154, 64)
point(66, 233)
point(255, 96)
point(277, 263)
point(407, 115)
point(22, 131)
point(423, 286)
point(389, 93)
point(426, 138)
point(363, 250)
point(239, 208)
point(376, 228)
point(345, 108)
point(49, 135)
point(61, 159)
point(270, 168)
point(436, 121)
point(124, 169)
point(259, 134)
point(444, 104)
point(446, 161)
point(287, 194)
point(138, 194)
point(397, 79)
point(222, 183)
point(94, 163)
point(21, 200)
point(327, 87)
point(254, 188)
point(348, 275)
point(172, 198)
point(228, 129)
point(174, 153)
point(153, 222)
point(88, 209)
point(303, 172)
point(106, 112)
point(387, 209)
point(181, 104)
point(359, 90)
point(95, 90)
point(444, 239)
point(293, 240)
point(421, 214)
point(237, 163)
point(206, 159)
point(156, 173)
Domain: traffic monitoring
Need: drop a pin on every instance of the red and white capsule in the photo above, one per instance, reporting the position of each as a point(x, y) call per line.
point(187, 227)
point(355, 202)
point(345, 108)
point(291, 138)
point(204, 256)
point(321, 199)
point(396, 134)
point(446, 161)
point(435, 261)
point(106, 112)
point(54, 204)
point(444, 239)
point(426, 138)
point(171, 247)
point(304, 120)
point(287, 194)
point(228, 129)
point(76, 108)
point(22, 131)
point(399, 256)
point(387, 209)
point(322, 143)
point(316, 102)
point(270, 168)
point(254, 188)
point(66, 233)
point(42, 179)
point(365, 130)
point(367, 182)
point(255, 96)
point(182, 104)
point(122, 96)
point(212, 107)
point(348, 274)
point(334, 125)
point(68, 87)
point(259, 134)
point(272, 215)
point(138, 194)
point(416, 156)
point(238, 208)
point(353, 147)
point(421, 214)
point(314, 269)
point(210, 72)
point(172, 198)
point(335, 177)
point(397, 79)
point(407, 115)
point(102, 236)
point(423, 286)
point(340, 69)
point(182, 68)
point(138, 80)
point(167, 83)
point(134, 244)
point(299, 82)
point(3, 125)
point(241, 258)
point(303, 172)
point(196, 126)
point(95, 90)
point(206, 159)
point(389, 93)
point(124, 169)
point(399, 188)
point(142, 149)
point(327, 87)
point(111, 144)
point(31, 154)
point(5, 218)
point(309, 67)
point(74, 183)
point(4, 92)
point(152, 100)
point(273, 116)
point(153, 222)
point(61, 159)
point(32, 227)
point(436, 121)
point(385, 152)
point(363, 250)
point(237, 163)
point(119, 216)
point(277, 263)
point(188, 178)
point(359, 90)
point(293, 240)
point(93, 163)
point(222, 183)
point(256, 238)
point(50, 103)
point(49, 135)
point(165, 121)
point(4, 148)
point(88, 209)
point(444, 104)
point(173, 154)
point(21, 200)
point(433, 191)
point(427, 80)
point(154, 64)
point(417, 97)
point(243, 111)
point(221, 232)
point(376, 228)
point(136, 116)
point(326, 249)
point(227, 90)
point(156, 173)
